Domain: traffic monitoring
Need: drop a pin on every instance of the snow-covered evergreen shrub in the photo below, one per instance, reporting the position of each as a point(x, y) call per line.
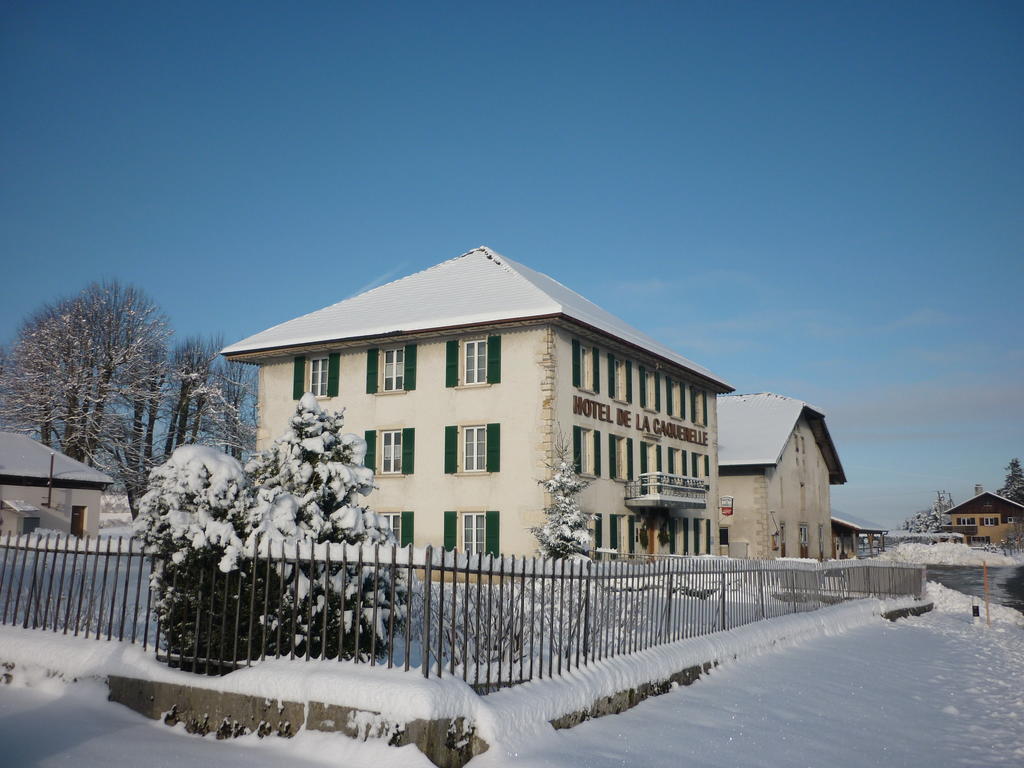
point(924, 521)
point(307, 487)
point(567, 530)
point(192, 520)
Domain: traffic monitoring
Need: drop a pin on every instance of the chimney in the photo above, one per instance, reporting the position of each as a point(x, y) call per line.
point(978, 489)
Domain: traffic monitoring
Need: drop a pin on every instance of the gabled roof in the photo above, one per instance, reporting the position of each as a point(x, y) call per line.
point(859, 523)
point(753, 431)
point(21, 456)
point(978, 496)
point(476, 288)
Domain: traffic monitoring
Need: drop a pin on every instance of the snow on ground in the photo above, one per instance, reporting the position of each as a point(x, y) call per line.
point(946, 553)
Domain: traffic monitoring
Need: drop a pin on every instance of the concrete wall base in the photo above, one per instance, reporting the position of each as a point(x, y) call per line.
point(902, 613)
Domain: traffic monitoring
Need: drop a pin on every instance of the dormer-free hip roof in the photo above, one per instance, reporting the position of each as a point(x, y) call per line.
point(21, 457)
point(477, 288)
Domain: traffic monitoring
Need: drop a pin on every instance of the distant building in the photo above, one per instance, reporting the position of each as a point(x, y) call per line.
point(987, 518)
point(465, 376)
point(41, 488)
point(776, 464)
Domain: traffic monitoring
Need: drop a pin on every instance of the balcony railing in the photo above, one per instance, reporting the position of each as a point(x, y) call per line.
point(663, 489)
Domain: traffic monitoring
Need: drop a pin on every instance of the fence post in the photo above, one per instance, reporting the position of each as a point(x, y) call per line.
point(428, 561)
point(721, 585)
point(760, 588)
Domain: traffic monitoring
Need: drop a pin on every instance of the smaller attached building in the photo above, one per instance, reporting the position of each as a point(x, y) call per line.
point(41, 488)
point(987, 518)
point(776, 464)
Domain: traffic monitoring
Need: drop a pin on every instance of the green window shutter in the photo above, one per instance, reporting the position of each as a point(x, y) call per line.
point(409, 375)
point(682, 463)
point(451, 363)
point(682, 400)
point(610, 358)
point(598, 533)
point(494, 359)
point(629, 458)
point(671, 535)
point(643, 387)
point(577, 448)
point(707, 536)
point(298, 378)
point(451, 530)
point(657, 452)
point(408, 450)
point(686, 536)
point(657, 391)
point(694, 459)
point(494, 448)
point(671, 461)
point(629, 381)
point(370, 462)
point(693, 404)
point(492, 533)
point(705, 400)
point(613, 458)
point(643, 457)
point(408, 530)
point(575, 362)
point(451, 450)
point(696, 536)
point(632, 534)
point(613, 530)
point(597, 453)
point(668, 396)
point(707, 466)
point(372, 358)
point(595, 360)
point(333, 373)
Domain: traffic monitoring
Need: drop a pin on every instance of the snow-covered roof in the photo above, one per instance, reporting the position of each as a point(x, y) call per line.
point(21, 456)
point(478, 287)
point(753, 430)
point(979, 495)
point(856, 522)
point(19, 505)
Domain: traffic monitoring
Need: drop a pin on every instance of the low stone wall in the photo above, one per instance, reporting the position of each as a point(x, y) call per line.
point(902, 613)
point(446, 743)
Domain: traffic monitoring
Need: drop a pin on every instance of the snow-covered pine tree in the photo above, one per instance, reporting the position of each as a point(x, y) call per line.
point(308, 485)
point(192, 521)
point(567, 530)
point(924, 521)
point(1013, 487)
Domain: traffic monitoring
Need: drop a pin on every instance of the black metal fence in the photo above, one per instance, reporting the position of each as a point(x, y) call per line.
point(491, 621)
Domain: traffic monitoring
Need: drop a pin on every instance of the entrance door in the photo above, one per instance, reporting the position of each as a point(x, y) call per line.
point(78, 521)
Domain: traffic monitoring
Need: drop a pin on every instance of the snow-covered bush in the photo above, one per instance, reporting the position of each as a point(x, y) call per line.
point(567, 530)
point(192, 520)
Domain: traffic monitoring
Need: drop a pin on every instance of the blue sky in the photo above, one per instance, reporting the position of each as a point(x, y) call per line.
point(824, 200)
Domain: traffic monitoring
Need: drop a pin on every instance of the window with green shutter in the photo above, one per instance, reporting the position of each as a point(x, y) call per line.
point(492, 533)
point(407, 529)
point(629, 458)
point(576, 363)
point(577, 448)
point(451, 363)
point(451, 529)
point(596, 363)
point(704, 400)
point(682, 462)
point(370, 462)
point(597, 453)
point(494, 359)
point(409, 375)
point(451, 450)
point(408, 449)
point(493, 448)
point(694, 465)
point(598, 532)
point(669, 405)
point(298, 378)
point(613, 530)
point(682, 400)
point(707, 466)
point(629, 381)
point(696, 536)
point(671, 461)
point(657, 391)
point(333, 374)
point(372, 361)
point(693, 404)
point(686, 535)
point(643, 387)
point(671, 535)
point(632, 534)
point(613, 457)
point(643, 457)
point(612, 390)
point(707, 536)
point(657, 454)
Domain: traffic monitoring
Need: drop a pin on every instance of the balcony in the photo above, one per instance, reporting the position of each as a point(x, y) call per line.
point(654, 490)
point(966, 530)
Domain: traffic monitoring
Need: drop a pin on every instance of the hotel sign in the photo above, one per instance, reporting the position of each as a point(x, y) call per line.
point(621, 417)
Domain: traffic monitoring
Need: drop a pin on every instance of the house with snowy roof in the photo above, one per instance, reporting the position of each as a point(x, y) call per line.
point(777, 463)
point(43, 488)
point(987, 518)
point(465, 377)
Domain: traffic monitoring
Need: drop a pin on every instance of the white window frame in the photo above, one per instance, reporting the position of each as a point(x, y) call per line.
point(698, 404)
point(620, 380)
point(805, 535)
point(391, 452)
point(989, 521)
point(652, 457)
point(474, 351)
point(586, 368)
point(318, 372)
point(981, 539)
point(651, 388)
point(587, 437)
point(621, 458)
point(474, 449)
point(394, 369)
point(967, 521)
point(394, 520)
point(473, 529)
point(675, 396)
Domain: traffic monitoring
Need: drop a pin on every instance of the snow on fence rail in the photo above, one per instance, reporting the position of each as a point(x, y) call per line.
point(493, 621)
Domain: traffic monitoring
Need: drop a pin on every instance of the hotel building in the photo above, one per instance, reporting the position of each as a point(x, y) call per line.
point(464, 379)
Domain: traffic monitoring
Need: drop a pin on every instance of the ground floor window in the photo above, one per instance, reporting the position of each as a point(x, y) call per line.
point(723, 537)
point(394, 522)
point(981, 539)
point(474, 526)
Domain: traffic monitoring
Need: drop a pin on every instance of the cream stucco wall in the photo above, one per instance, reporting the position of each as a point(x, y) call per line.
point(58, 517)
point(533, 403)
point(796, 491)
